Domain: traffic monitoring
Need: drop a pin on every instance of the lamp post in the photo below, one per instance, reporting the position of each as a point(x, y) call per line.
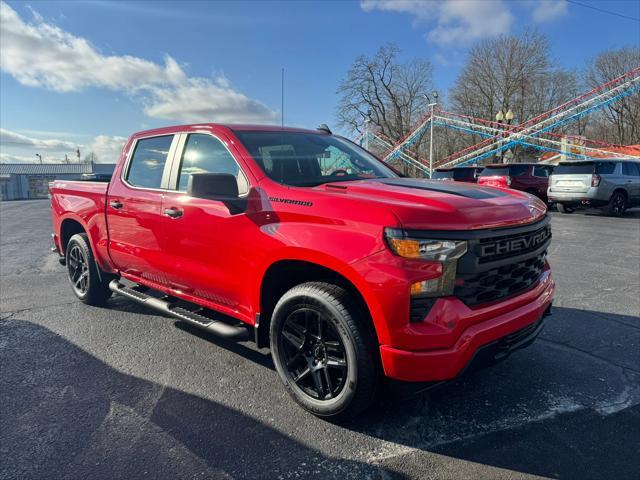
point(504, 119)
point(432, 106)
point(39, 157)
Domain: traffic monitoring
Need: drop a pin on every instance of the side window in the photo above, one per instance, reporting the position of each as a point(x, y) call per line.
point(517, 170)
point(148, 160)
point(206, 154)
point(630, 168)
point(605, 168)
point(540, 171)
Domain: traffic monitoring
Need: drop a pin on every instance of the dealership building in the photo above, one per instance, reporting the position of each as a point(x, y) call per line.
point(21, 181)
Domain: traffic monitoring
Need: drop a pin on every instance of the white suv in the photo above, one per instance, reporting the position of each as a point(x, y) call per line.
point(613, 185)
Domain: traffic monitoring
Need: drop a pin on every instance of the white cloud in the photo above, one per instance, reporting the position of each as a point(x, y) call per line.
point(452, 22)
point(107, 148)
point(18, 148)
point(9, 138)
point(549, 10)
point(40, 54)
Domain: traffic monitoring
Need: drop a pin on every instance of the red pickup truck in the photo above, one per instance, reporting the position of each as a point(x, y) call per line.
point(309, 245)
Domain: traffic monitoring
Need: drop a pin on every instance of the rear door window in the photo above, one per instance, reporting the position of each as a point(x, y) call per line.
point(148, 161)
point(605, 168)
point(518, 170)
point(541, 171)
point(630, 169)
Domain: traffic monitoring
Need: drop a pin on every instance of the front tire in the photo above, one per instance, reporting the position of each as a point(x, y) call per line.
point(323, 350)
point(617, 205)
point(83, 274)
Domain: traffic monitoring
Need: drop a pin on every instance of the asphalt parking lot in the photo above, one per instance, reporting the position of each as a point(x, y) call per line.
point(120, 392)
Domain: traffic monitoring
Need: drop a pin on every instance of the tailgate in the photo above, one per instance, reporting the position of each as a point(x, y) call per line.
point(570, 183)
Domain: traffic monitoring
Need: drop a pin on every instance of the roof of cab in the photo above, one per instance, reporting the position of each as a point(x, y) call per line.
point(230, 126)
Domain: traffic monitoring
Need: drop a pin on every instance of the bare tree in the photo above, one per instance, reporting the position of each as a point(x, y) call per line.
point(511, 73)
point(390, 93)
point(619, 122)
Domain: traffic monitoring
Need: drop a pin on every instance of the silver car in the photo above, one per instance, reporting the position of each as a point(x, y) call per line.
point(612, 184)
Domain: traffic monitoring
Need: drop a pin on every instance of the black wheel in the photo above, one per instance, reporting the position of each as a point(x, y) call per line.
point(562, 209)
point(323, 350)
point(617, 204)
point(83, 272)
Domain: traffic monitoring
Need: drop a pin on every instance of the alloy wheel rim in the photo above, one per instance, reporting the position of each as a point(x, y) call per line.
point(618, 203)
point(313, 354)
point(78, 269)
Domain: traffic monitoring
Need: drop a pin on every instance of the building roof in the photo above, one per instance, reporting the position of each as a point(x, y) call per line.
point(45, 168)
point(618, 152)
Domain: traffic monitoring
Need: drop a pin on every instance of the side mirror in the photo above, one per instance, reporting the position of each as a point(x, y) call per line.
point(217, 186)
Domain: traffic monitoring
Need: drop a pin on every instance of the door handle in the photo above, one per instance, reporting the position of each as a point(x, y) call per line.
point(115, 204)
point(173, 212)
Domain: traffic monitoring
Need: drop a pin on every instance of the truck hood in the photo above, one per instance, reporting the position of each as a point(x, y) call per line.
point(434, 205)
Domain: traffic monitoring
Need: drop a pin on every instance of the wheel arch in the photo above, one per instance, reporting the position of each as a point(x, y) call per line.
point(284, 274)
point(68, 228)
point(621, 190)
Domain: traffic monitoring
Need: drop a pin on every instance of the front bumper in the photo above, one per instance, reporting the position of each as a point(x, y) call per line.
point(486, 337)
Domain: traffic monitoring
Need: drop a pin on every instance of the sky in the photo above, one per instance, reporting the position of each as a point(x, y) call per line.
point(87, 74)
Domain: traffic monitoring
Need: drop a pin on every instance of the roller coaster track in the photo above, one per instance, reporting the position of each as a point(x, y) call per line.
point(595, 99)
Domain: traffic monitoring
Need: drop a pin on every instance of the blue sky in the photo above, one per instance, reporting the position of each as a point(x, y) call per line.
point(92, 73)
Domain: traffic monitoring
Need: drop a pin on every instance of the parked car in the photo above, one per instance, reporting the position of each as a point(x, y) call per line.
point(458, 174)
point(532, 178)
point(307, 244)
point(613, 185)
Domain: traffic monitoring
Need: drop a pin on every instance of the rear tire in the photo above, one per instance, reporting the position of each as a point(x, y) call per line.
point(324, 350)
point(82, 271)
point(562, 209)
point(617, 205)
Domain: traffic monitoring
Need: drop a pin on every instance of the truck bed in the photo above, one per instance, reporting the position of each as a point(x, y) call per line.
point(80, 201)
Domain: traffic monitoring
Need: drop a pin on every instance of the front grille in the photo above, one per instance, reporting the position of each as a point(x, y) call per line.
point(500, 282)
point(505, 246)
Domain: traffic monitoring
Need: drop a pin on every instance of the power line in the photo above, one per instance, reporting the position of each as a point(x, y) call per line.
point(621, 15)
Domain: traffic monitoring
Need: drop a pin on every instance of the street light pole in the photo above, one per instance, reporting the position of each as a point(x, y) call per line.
point(431, 143)
point(432, 106)
point(39, 157)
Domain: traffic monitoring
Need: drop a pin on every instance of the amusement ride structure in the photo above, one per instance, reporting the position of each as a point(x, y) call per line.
point(498, 137)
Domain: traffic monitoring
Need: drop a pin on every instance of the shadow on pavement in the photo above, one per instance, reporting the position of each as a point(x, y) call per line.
point(565, 407)
point(66, 414)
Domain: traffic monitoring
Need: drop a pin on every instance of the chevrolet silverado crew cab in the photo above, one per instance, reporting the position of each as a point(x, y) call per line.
point(305, 243)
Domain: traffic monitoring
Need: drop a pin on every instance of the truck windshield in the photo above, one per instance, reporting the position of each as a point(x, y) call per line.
point(309, 159)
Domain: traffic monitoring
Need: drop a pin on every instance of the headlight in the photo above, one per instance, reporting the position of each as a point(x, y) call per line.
point(447, 252)
point(426, 249)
